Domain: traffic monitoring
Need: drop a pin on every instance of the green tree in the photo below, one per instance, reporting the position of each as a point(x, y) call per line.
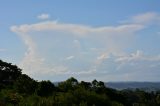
point(45, 88)
point(9, 97)
point(158, 99)
point(8, 73)
point(69, 84)
point(86, 85)
point(95, 83)
point(25, 84)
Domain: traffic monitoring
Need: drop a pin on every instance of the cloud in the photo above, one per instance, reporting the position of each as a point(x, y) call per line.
point(144, 18)
point(105, 36)
point(69, 58)
point(98, 50)
point(130, 66)
point(78, 30)
point(31, 60)
point(138, 62)
point(138, 56)
point(77, 44)
point(43, 16)
point(134, 56)
point(3, 50)
point(102, 57)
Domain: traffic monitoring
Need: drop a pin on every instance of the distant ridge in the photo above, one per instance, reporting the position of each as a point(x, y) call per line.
point(147, 86)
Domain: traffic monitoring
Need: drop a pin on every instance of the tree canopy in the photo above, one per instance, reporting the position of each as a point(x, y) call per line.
point(17, 89)
point(8, 73)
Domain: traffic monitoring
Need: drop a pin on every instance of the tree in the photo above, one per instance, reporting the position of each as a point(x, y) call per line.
point(95, 83)
point(45, 88)
point(98, 86)
point(86, 85)
point(25, 84)
point(8, 73)
point(158, 99)
point(69, 84)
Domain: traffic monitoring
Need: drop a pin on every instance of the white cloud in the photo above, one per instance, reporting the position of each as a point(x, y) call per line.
point(135, 65)
point(95, 48)
point(138, 56)
point(103, 56)
point(3, 50)
point(69, 57)
point(43, 16)
point(78, 30)
point(106, 36)
point(31, 59)
point(144, 18)
point(77, 44)
point(134, 56)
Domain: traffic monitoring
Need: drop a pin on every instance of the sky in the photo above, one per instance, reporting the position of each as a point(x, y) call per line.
point(107, 40)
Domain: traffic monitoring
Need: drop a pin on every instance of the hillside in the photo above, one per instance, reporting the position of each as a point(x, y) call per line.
point(18, 89)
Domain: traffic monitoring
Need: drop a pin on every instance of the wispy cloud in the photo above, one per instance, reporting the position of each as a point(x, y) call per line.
point(43, 16)
point(144, 18)
point(69, 58)
point(3, 50)
point(138, 56)
point(129, 66)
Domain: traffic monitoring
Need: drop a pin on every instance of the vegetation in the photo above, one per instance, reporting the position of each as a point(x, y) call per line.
point(17, 89)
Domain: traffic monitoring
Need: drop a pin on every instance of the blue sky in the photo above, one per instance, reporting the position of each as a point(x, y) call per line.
point(107, 40)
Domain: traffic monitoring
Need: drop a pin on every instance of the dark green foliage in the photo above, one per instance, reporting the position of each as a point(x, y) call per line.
point(90, 97)
point(8, 74)
point(18, 89)
point(9, 97)
point(45, 88)
point(26, 85)
point(69, 84)
point(8, 71)
point(85, 85)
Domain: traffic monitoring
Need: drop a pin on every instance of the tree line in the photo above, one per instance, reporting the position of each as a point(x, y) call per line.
point(18, 89)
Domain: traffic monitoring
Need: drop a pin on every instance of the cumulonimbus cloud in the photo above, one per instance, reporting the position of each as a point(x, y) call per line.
point(87, 46)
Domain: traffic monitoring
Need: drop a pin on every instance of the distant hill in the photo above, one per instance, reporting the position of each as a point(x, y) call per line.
point(147, 86)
